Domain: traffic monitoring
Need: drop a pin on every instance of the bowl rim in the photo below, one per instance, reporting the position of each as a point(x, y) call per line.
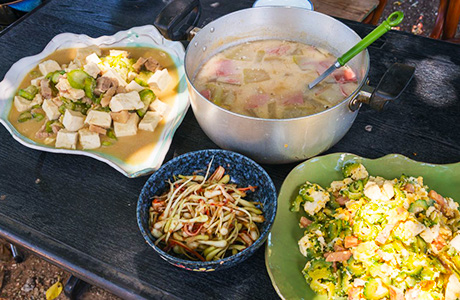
point(262, 238)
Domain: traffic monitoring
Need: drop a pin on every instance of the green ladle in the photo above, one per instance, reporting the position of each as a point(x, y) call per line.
point(393, 20)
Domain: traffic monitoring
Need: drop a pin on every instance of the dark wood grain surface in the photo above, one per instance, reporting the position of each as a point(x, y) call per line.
point(81, 214)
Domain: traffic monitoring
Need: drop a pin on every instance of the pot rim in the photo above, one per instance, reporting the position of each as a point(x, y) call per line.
point(344, 101)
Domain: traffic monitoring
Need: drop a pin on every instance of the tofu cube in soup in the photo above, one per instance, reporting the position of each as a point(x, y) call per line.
point(123, 53)
point(51, 109)
point(160, 80)
point(93, 58)
point(22, 104)
point(92, 69)
point(160, 107)
point(114, 75)
point(89, 139)
point(150, 121)
point(48, 66)
point(134, 86)
point(128, 128)
point(83, 53)
point(126, 101)
point(66, 139)
point(38, 100)
point(36, 81)
point(73, 120)
point(99, 118)
point(67, 91)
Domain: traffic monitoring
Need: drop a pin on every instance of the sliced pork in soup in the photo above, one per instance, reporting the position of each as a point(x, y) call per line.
point(269, 79)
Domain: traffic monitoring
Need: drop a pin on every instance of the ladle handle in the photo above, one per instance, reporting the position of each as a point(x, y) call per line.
point(177, 19)
point(393, 20)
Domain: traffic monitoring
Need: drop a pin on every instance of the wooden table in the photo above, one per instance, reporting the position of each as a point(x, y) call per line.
point(80, 213)
point(355, 10)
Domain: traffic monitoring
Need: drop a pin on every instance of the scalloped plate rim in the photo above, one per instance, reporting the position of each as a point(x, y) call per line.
point(59, 40)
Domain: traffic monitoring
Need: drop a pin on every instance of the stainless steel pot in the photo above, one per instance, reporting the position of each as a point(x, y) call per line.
point(274, 140)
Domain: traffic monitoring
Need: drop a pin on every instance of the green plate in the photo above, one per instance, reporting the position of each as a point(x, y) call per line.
point(283, 259)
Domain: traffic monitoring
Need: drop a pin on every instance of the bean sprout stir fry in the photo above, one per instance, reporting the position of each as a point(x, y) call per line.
point(205, 218)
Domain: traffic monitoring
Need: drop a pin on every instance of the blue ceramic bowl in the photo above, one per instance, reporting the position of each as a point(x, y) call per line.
point(242, 170)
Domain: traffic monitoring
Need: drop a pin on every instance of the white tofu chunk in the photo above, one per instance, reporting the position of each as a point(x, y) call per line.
point(160, 107)
point(83, 53)
point(73, 120)
point(150, 121)
point(114, 75)
point(131, 76)
point(455, 242)
point(22, 104)
point(93, 58)
point(134, 86)
point(126, 101)
point(118, 52)
point(89, 139)
point(72, 66)
point(160, 80)
point(452, 288)
point(48, 66)
point(68, 91)
point(36, 81)
point(92, 69)
point(38, 100)
point(128, 128)
point(66, 139)
point(51, 109)
point(99, 118)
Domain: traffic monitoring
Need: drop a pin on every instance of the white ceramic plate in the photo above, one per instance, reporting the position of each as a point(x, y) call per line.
point(144, 36)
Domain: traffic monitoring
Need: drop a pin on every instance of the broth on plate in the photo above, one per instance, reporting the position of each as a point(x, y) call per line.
point(269, 79)
point(103, 134)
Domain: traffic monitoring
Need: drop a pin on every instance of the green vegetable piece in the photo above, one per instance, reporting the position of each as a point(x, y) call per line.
point(143, 78)
point(260, 55)
point(217, 93)
point(356, 186)
point(295, 206)
point(412, 266)
point(365, 231)
point(350, 168)
point(29, 92)
point(54, 76)
point(34, 74)
point(90, 85)
point(77, 79)
point(38, 116)
point(25, 116)
point(48, 127)
point(111, 134)
point(147, 97)
point(419, 246)
point(373, 290)
point(319, 275)
point(255, 75)
point(334, 228)
point(106, 143)
point(62, 109)
point(399, 194)
point(355, 267)
point(418, 206)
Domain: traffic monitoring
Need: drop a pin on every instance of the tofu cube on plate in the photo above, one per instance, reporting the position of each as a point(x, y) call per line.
point(66, 139)
point(21, 104)
point(51, 109)
point(160, 80)
point(48, 66)
point(150, 121)
point(73, 120)
point(126, 101)
point(99, 118)
point(160, 107)
point(89, 139)
point(128, 128)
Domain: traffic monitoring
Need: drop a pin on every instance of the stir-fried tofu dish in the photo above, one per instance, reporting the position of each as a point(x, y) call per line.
point(372, 238)
point(269, 79)
point(92, 99)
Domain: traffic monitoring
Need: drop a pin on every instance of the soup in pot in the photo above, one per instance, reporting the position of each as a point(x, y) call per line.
point(269, 79)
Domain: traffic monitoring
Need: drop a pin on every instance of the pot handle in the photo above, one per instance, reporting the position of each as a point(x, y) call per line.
point(178, 18)
point(391, 85)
